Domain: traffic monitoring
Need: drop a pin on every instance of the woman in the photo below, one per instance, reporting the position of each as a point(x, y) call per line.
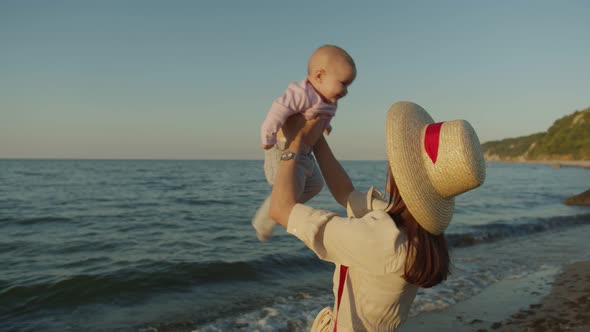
point(384, 250)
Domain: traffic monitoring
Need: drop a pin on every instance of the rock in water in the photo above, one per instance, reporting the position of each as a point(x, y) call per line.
point(579, 199)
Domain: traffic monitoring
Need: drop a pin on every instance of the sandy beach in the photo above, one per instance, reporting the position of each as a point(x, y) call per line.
point(566, 308)
point(546, 301)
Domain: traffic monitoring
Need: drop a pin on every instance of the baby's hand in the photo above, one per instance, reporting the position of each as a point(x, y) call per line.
point(266, 146)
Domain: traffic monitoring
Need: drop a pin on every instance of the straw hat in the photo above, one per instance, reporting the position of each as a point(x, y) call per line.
point(431, 163)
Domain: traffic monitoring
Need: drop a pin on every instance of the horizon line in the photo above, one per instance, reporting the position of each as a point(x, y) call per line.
point(156, 159)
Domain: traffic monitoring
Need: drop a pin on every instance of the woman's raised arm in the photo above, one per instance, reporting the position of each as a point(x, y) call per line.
point(335, 176)
point(298, 132)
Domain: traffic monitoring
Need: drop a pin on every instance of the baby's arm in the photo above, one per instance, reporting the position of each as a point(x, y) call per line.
point(293, 101)
point(275, 118)
point(328, 128)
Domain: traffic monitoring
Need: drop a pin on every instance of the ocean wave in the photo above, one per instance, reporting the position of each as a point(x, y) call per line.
point(503, 229)
point(145, 278)
point(200, 202)
point(35, 220)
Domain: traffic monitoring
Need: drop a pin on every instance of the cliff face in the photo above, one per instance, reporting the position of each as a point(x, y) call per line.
point(567, 139)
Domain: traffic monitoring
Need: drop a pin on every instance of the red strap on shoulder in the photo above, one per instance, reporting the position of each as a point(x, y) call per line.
point(343, 272)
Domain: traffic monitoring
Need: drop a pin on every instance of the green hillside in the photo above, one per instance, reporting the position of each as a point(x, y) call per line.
point(567, 139)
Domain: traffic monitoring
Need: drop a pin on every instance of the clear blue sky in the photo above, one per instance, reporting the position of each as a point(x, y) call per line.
point(194, 79)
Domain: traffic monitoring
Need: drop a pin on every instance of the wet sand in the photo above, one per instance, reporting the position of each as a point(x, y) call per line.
point(566, 308)
point(546, 301)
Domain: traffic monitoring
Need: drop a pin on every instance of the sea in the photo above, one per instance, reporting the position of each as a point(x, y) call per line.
point(167, 245)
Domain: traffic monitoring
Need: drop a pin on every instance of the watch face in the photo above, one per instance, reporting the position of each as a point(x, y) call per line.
point(287, 156)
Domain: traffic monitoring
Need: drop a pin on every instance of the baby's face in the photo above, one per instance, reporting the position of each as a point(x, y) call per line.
point(334, 82)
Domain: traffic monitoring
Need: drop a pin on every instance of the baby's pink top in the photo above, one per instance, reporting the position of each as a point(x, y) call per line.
point(300, 97)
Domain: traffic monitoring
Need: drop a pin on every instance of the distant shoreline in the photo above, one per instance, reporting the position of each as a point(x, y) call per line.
point(554, 163)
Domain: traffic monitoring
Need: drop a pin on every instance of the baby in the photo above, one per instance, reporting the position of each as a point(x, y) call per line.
point(330, 70)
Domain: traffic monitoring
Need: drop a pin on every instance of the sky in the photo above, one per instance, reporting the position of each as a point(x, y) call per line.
point(194, 79)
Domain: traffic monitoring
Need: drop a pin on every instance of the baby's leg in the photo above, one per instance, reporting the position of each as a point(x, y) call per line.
point(262, 222)
point(313, 181)
point(272, 159)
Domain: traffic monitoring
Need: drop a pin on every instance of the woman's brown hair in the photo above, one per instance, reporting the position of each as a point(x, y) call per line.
point(427, 259)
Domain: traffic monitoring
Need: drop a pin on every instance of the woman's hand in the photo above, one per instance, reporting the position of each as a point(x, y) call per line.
point(308, 131)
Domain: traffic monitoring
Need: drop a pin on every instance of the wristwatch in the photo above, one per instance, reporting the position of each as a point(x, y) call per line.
point(287, 155)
